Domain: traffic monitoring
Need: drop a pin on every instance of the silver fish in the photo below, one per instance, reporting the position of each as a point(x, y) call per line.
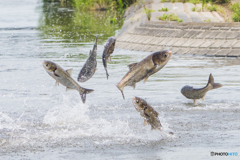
point(199, 93)
point(143, 69)
point(108, 49)
point(64, 77)
point(147, 112)
point(90, 65)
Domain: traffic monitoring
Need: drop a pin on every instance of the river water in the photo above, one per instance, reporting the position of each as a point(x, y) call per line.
point(39, 120)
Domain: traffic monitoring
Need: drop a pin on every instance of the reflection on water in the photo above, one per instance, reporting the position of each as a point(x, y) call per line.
point(69, 25)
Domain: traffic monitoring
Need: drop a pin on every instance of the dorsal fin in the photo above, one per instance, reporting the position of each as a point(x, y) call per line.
point(130, 66)
point(69, 71)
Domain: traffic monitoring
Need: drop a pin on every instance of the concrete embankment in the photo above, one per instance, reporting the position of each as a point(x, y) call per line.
point(197, 38)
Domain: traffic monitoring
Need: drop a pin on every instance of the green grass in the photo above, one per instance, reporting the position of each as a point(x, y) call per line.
point(163, 9)
point(170, 17)
point(207, 20)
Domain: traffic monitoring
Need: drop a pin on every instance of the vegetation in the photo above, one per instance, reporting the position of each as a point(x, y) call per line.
point(236, 12)
point(148, 12)
point(207, 20)
point(212, 8)
point(196, 9)
point(78, 26)
point(163, 9)
point(170, 17)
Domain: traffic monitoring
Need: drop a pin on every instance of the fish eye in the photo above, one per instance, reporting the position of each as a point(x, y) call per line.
point(47, 64)
point(165, 56)
point(137, 101)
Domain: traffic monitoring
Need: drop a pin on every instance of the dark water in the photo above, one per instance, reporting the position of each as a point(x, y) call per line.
point(41, 121)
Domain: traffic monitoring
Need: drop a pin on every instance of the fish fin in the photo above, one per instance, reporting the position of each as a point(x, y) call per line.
point(95, 69)
point(118, 86)
point(130, 66)
point(211, 82)
point(67, 88)
point(110, 59)
point(145, 79)
point(56, 83)
point(69, 71)
point(152, 128)
point(203, 98)
point(83, 95)
point(133, 85)
point(145, 123)
point(107, 74)
point(55, 74)
point(195, 101)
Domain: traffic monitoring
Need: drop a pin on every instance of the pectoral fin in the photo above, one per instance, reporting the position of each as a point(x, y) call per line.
point(55, 74)
point(145, 79)
point(145, 123)
point(195, 101)
point(67, 88)
point(130, 66)
point(57, 83)
point(203, 98)
point(69, 71)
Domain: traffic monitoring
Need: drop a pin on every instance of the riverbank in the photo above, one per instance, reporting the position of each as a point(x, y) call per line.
point(217, 38)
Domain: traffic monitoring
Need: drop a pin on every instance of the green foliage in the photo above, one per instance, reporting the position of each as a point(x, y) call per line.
point(196, 9)
point(148, 12)
point(78, 26)
point(163, 9)
point(236, 12)
point(170, 17)
point(207, 20)
point(213, 8)
point(173, 1)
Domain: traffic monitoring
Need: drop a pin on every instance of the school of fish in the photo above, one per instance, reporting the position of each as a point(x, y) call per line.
point(137, 71)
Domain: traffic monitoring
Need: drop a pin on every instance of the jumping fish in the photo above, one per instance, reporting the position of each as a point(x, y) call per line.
point(64, 77)
point(147, 112)
point(143, 69)
point(199, 93)
point(108, 49)
point(90, 65)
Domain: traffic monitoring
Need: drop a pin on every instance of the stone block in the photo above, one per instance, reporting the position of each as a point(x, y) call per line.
point(228, 44)
point(183, 16)
point(212, 52)
point(236, 45)
point(202, 51)
point(208, 16)
point(196, 43)
point(222, 35)
point(212, 35)
point(181, 33)
point(219, 18)
point(179, 42)
point(223, 53)
point(191, 33)
point(203, 35)
point(169, 6)
point(178, 7)
point(182, 51)
point(172, 41)
point(207, 43)
point(187, 43)
point(233, 35)
point(217, 44)
point(195, 17)
point(234, 53)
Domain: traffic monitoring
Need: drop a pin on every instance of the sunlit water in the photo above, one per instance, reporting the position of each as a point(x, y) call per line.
point(39, 120)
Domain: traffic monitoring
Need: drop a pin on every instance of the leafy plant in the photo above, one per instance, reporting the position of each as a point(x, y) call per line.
point(213, 8)
point(170, 17)
point(163, 9)
point(236, 12)
point(148, 12)
point(207, 20)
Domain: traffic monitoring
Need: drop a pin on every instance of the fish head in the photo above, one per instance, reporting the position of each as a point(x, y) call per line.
point(161, 58)
point(49, 66)
point(139, 103)
point(112, 40)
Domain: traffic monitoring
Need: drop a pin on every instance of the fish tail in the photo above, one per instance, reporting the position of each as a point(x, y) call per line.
point(121, 89)
point(105, 64)
point(106, 73)
point(83, 95)
point(212, 84)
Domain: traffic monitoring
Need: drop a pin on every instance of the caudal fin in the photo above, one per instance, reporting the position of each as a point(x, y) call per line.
point(118, 86)
point(212, 84)
point(83, 95)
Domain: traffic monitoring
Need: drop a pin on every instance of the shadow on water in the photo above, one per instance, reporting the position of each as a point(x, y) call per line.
point(63, 24)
